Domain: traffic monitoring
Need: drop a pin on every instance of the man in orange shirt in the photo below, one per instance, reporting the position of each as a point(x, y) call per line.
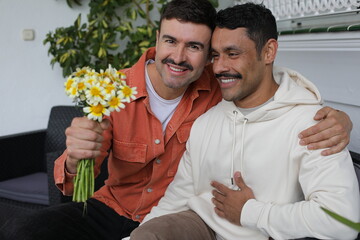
point(175, 86)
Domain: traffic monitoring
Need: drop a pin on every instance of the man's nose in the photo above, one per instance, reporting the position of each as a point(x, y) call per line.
point(179, 54)
point(220, 65)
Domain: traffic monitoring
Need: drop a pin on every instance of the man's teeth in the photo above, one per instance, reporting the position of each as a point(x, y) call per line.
point(228, 80)
point(176, 69)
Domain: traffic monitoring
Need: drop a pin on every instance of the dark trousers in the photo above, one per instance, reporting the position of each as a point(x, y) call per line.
point(67, 221)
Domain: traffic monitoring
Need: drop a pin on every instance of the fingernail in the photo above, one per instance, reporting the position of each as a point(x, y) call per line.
point(302, 142)
point(300, 135)
point(310, 147)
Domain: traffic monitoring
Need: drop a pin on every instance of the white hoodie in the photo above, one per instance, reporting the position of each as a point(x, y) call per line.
point(289, 182)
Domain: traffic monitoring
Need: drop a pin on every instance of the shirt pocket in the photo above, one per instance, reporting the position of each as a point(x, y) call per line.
point(129, 162)
point(129, 152)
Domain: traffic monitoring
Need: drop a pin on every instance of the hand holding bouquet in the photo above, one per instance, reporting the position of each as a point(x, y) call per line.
point(98, 94)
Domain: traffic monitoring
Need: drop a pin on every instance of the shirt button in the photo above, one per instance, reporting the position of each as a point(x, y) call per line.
point(158, 161)
point(137, 216)
point(149, 190)
point(157, 141)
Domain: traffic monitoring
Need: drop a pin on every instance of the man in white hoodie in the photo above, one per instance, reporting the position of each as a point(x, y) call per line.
point(279, 187)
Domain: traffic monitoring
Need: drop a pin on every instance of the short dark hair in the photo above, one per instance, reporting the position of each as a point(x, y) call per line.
point(259, 22)
point(194, 11)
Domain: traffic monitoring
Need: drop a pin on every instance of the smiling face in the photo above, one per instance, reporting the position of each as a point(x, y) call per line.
point(182, 50)
point(245, 77)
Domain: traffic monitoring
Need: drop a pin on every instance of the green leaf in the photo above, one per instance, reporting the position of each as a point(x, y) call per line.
point(102, 52)
point(104, 23)
point(113, 46)
point(70, 2)
point(347, 222)
point(78, 21)
point(142, 13)
point(214, 3)
point(142, 30)
point(64, 57)
point(144, 44)
point(149, 31)
point(133, 14)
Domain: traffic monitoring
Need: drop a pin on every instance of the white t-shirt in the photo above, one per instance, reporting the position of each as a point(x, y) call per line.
point(163, 109)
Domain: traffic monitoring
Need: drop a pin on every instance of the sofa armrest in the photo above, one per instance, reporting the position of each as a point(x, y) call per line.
point(355, 157)
point(22, 154)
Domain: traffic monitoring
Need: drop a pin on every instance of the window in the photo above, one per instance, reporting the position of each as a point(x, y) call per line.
point(300, 16)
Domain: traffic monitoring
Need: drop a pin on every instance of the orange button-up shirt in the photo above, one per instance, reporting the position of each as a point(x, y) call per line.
point(143, 160)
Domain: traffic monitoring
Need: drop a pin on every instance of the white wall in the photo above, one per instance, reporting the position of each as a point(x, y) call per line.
point(331, 61)
point(29, 87)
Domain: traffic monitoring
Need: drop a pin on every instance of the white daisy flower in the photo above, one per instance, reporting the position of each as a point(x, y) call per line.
point(115, 104)
point(127, 93)
point(95, 94)
point(96, 112)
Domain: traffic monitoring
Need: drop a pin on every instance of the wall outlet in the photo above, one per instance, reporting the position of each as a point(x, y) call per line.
point(28, 34)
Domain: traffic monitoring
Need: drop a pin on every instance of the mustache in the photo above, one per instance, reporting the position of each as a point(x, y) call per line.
point(238, 75)
point(182, 64)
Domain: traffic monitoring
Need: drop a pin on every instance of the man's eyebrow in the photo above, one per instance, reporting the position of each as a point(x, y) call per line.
point(201, 45)
point(227, 49)
point(231, 48)
point(169, 37)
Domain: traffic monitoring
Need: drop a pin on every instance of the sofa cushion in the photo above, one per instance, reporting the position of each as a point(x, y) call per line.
point(31, 188)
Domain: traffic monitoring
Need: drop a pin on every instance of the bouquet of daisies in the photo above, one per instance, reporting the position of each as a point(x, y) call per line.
point(98, 93)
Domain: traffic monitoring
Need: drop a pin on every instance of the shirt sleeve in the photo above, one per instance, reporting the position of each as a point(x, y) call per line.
point(328, 182)
point(63, 179)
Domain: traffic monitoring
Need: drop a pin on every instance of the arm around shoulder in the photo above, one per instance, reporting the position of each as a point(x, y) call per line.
point(332, 131)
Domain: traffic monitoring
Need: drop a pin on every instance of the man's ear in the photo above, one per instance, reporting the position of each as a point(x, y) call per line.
point(270, 51)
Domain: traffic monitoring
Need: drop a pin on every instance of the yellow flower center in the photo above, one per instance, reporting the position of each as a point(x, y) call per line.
point(73, 91)
point(109, 88)
point(81, 86)
point(126, 91)
point(69, 83)
point(95, 91)
point(97, 110)
point(90, 81)
point(114, 101)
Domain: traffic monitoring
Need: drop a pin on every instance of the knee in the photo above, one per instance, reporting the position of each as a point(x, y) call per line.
point(143, 233)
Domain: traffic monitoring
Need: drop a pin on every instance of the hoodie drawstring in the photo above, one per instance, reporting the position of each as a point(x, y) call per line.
point(234, 144)
point(242, 144)
point(233, 148)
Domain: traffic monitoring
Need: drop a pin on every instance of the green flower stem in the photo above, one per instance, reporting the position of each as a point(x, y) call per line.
point(84, 180)
point(347, 222)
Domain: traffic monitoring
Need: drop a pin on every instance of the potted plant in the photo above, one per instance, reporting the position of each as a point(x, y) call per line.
point(96, 43)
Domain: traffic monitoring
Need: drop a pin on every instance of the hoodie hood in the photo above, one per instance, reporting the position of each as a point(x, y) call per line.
point(294, 89)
